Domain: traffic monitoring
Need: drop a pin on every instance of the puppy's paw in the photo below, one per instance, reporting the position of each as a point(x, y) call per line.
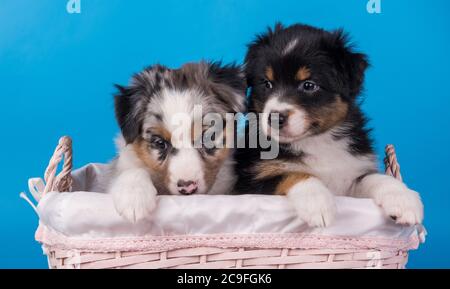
point(313, 202)
point(134, 195)
point(397, 201)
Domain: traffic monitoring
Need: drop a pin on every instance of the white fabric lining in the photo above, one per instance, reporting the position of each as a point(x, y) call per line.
point(84, 214)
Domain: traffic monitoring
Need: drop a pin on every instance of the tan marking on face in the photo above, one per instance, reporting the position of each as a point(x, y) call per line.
point(289, 181)
point(269, 169)
point(269, 73)
point(303, 74)
point(330, 115)
point(161, 131)
point(158, 170)
point(212, 165)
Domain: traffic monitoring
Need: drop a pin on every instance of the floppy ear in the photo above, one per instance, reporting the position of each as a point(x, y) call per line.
point(128, 112)
point(251, 61)
point(230, 74)
point(352, 64)
point(357, 64)
point(229, 83)
point(256, 51)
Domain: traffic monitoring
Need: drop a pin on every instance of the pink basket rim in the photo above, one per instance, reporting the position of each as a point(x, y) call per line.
point(53, 239)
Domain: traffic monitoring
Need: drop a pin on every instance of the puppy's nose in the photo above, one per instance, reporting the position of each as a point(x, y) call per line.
point(280, 116)
point(187, 187)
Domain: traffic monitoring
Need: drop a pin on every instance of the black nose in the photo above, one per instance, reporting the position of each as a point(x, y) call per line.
point(278, 116)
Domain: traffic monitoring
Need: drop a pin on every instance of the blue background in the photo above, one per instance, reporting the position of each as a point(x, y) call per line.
point(57, 71)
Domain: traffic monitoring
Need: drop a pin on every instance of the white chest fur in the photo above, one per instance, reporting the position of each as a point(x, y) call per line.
point(330, 160)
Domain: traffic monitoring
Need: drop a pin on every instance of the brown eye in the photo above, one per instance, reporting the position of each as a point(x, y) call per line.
point(309, 86)
point(159, 143)
point(268, 84)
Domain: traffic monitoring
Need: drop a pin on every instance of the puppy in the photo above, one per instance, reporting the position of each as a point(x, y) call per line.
point(156, 113)
point(305, 82)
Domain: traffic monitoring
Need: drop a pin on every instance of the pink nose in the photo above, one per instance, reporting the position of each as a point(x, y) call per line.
point(187, 187)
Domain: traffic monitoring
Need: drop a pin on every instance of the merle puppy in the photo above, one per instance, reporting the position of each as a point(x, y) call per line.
point(306, 82)
point(157, 116)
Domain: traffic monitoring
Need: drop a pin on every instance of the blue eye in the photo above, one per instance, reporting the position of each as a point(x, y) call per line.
point(159, 143)
point(309, 86)
point(209, 151)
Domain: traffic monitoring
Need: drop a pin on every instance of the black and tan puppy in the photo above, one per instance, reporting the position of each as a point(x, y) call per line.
point(308, 81)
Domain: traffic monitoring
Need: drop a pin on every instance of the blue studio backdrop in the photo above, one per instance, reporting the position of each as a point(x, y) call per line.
point(57, 71)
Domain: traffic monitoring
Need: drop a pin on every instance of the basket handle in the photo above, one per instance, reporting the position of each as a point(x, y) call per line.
point(63, 181)
point(391, 164)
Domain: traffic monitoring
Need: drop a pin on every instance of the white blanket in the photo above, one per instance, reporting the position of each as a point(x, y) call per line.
point(86, 214)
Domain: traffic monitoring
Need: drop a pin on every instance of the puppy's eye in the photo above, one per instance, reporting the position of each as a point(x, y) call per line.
point(268, 84)
point(159, 143)
point(209, 151)
point(209, 146)
point(309, 86)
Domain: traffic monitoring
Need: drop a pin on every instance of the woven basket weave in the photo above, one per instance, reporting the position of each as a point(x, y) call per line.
point(239, 258)
point(212, 257)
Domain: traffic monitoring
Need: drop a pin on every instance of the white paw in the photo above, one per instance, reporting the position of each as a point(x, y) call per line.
point(313, 202)
point(401, 204)
point(134, 195)
point(397, 201)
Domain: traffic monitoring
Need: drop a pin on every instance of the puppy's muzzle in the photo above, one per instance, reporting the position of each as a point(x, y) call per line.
point(187, 187)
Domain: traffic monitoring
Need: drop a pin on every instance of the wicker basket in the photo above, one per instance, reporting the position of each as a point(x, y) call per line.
point(238, 258)
point(215, 255)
